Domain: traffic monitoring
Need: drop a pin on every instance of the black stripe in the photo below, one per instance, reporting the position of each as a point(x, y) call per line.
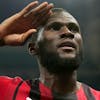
point(14, 97)
point(88, 92)
point(35, 90)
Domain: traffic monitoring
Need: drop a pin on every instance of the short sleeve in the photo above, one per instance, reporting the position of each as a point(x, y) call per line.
point(4, 85)
point(96, 94)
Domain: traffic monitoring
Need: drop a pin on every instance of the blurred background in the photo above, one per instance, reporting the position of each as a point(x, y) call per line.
point(15, 61)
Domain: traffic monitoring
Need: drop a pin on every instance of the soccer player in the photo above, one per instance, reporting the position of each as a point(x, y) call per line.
point(57, 45)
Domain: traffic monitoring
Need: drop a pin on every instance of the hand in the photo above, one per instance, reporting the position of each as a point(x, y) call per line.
point(16, 29)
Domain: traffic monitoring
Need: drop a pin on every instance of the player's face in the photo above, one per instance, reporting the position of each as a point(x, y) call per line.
point(60, 43)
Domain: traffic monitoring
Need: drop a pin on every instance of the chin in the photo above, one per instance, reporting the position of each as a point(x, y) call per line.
point(67, 56)
point(60, 61)
point(59, 64)
point(67, 53)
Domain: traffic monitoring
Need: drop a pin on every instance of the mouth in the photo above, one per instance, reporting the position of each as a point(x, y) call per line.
point(67, 46)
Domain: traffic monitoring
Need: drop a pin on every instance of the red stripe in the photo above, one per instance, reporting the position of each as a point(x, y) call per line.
point(80, 94)
point(23, 91)
point(6, 92)
point(46, 93)
point(12, 87)
point(95, 93)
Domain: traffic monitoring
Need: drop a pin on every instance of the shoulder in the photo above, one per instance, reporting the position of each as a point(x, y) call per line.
point(95, 92)
point(6, 83)
point(90, 91)
point(4, 80)
point(9, 87)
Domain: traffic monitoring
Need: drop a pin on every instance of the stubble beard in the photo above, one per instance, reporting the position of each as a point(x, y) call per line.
point(55, 64)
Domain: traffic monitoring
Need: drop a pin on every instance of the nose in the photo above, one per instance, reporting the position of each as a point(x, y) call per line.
point(66, 33)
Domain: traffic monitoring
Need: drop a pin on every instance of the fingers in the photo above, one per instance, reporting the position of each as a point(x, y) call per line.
point(44, 17)
point(29, 7)
point(23, 37)
point(40, 7)
point(44, 9)
point(18, 39)
point(40, 14)
point(39, 10)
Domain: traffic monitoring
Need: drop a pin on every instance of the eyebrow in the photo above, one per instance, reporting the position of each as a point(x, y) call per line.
point(53, 23)
point(58, 22)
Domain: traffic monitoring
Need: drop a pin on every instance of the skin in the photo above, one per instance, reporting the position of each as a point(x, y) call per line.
point(53, 35)
point(12, 31)
point(64, 83)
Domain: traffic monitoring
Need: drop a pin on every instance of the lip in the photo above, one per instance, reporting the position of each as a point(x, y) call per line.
point(67, 45)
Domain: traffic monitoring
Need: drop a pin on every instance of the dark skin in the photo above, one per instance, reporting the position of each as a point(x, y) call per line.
point(66, 82)
point(18, 28)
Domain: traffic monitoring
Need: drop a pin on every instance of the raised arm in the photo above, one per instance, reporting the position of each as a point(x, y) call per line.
point(18, 28)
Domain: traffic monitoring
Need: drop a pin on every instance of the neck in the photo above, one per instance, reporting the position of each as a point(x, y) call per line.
point(64, 83)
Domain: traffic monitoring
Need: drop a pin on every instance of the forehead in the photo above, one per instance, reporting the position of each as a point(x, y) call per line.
point(62, 17)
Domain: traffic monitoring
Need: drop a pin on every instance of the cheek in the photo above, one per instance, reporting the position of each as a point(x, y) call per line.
point(48, 38)
point(49, 35)
point(78, 38)
point(51, 45)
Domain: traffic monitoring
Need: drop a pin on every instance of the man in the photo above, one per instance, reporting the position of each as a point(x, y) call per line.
point(58, 48)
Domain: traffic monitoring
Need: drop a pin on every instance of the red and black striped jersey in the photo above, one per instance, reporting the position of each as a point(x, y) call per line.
point(18, 89)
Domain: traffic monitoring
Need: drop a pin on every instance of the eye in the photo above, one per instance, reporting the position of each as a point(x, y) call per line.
point(55, 26)
point(73, 27)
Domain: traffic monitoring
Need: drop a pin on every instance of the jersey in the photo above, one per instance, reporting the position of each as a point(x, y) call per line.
point(18, 89)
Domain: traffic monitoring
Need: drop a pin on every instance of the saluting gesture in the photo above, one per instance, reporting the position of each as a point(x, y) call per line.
point(16, 29)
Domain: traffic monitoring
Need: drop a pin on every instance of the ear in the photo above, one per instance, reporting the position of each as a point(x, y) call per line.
point(32, 48)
